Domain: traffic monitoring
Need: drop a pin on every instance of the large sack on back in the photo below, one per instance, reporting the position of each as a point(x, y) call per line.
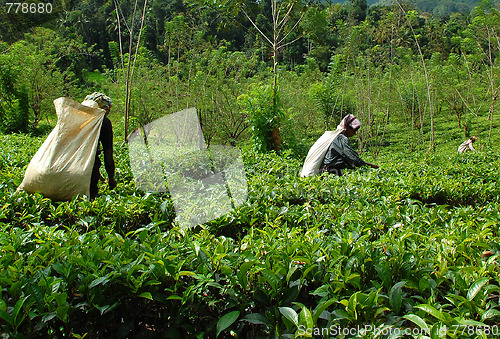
point(62, 167)
point(317, 153)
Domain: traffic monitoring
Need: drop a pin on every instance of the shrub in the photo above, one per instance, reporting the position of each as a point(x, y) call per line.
point(265, 117)
point(14, 116)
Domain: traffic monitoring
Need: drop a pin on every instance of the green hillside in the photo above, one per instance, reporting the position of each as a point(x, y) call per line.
point(436, 7)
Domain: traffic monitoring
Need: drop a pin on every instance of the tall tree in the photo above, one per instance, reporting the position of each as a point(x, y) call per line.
point(134, 43)
point(281, 15)
point(357, 11)
point(285, 17)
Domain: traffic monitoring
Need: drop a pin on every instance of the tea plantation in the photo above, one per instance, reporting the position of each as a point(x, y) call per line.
point(410, 250)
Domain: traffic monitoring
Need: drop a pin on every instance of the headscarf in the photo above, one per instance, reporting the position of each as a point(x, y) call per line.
point(102, 100)
point(350, 121)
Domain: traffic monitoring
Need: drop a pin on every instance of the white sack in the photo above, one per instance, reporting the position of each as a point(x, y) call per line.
point(63, 165)
point(318, 151)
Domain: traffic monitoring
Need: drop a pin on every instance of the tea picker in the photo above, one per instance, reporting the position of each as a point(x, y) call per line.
point(332, 152)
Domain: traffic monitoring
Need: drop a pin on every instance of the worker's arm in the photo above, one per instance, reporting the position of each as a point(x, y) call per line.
point(109, 164)
point(351, 156)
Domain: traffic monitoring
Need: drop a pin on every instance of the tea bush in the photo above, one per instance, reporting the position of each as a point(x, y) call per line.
point(398, 247)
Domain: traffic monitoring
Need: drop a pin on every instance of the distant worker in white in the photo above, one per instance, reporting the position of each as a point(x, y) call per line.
point(467, 145)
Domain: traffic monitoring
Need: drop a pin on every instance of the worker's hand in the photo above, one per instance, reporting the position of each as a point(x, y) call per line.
point(111, 183)
point(373, 166)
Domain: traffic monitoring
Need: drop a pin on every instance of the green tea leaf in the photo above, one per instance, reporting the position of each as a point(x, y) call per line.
point(146, 295)
point(476, 287)
point(309, 269)
point(226, 321)
point(36, 293)
point(305, 317)
point(417, 321)
point(470, 322)
point(174, 297)
point(261, 296)
point(107, 308)
point(99, 281)
point(396, 296)
point(352, 304)
point(321, 308)
point(432, 311)
point(242, 273)
point(5, 316)
point(61, 298)
point(290, 314)
point(257, 319)
point(271, 278)
point(17, 308)
point(62, 312)
point(490, 314)
point(384, 275)
point(380, 310)
point(290, 273)
point(289, 295)
point(184, 273)
point(321, 291)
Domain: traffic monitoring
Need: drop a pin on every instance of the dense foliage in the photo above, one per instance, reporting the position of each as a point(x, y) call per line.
point(399, 247)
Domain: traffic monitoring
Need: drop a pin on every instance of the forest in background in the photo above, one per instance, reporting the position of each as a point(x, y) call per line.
point(387, 63)
point(436, 7)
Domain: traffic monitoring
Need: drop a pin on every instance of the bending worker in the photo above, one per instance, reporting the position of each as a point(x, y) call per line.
point(467, 145)
point(333, 151)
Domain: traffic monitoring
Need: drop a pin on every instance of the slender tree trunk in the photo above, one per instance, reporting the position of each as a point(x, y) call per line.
point(277, 41)
point(131, 63)
point(388, 92)
point(475, 109)
point(119, 34)
point(494, 91)
point(127, 76)
point(275, 132)
point(429, 97)
point(387, 111)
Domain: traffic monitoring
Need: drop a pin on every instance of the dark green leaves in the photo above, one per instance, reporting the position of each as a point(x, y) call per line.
point(396, 296)
point(226, 321)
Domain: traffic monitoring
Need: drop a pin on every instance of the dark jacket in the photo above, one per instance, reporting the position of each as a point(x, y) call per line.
point(341, 155)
